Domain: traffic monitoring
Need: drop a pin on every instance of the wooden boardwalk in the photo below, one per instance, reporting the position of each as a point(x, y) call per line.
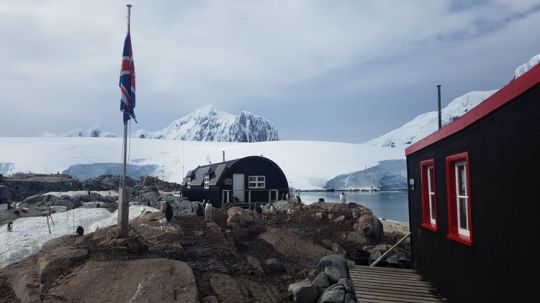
point(381, 284)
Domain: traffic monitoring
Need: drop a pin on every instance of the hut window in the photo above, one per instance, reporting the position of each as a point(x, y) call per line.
point(206, 182)
point(256, 182)
point(188, 184)
point(459, 198)
point(429, 196)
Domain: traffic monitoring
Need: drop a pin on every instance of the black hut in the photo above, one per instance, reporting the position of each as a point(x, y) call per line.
point(473, 199)
point(244, 180)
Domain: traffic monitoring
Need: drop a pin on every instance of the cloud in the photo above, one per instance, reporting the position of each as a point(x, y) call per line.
point(60, 59)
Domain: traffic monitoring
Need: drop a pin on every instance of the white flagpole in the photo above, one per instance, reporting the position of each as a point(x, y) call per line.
point(123, 207)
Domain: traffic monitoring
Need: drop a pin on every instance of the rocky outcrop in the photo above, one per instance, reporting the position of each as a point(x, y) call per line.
point(145, 280)
point(293, 246)
point(368, 229)
point(238, 216)
point(25, 185)
point(332, 284)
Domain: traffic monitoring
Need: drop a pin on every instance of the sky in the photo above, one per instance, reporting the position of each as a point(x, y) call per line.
point(344, 71)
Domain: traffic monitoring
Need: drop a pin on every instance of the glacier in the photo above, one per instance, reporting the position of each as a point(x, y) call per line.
point(94, 132)
point(387, 175)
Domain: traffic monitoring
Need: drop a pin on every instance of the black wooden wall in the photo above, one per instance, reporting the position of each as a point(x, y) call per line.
point(503, 265)
point(249, 166)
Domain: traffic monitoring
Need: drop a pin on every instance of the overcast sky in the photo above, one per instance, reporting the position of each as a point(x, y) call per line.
point(320, 70)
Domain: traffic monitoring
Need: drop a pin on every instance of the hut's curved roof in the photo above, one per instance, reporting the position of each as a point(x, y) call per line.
point(216, 170)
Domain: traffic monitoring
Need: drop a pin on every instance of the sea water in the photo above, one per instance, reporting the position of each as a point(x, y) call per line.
point(392, 205)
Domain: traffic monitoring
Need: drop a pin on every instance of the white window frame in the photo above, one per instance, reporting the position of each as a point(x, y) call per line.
point(256, 182)
point(188, 184)
point(431, 195)
point(206, 182)
point(466, 232)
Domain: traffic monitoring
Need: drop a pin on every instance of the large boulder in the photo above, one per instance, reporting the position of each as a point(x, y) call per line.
point(238, 216)
point(333, 294)
point(256, 292)
point(156, 234)
point(54, 263)
point(5, 194)
point(367, 230)
point(226, 288)
point(336, 262)
point(293, 246)
point(371, 227)
point(303, 292)
point(143, 280)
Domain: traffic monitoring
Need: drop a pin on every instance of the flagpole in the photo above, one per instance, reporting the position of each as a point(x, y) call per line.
point(123, 207)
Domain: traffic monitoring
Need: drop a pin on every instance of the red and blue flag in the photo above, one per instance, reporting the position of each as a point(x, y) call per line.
point(127, 81)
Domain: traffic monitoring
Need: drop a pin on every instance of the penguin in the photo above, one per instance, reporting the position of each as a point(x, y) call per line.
point(258, 209)
point(208, 210)
point(168, 212)
point(80, 231)
point(272, 208)
point(199, 210)
point(342, 198)
point(10, 226)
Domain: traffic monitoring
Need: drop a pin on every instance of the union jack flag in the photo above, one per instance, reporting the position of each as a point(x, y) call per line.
point(127, 81)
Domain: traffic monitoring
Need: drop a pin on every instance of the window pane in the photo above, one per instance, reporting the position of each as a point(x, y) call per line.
point(251, 178)
point(462, 185)
point(431, 206)
point(462, 213)
point(431, 179)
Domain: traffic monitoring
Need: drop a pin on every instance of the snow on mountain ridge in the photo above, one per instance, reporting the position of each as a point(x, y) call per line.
point(210, 124)
point(94, 131)
point(426, 124)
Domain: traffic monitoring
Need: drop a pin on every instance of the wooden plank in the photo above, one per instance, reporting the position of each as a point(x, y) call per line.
point(404, 299)
point(397, 277)
point(389, 281)
point(384, 269)
point(397, 286)
point(391, 285)
point(394, 292)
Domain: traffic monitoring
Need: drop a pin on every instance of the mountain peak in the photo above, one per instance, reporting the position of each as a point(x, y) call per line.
point(427, 123)
point(208, 123)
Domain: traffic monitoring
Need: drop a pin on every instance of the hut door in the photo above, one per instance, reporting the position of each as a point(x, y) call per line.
point(238, 187)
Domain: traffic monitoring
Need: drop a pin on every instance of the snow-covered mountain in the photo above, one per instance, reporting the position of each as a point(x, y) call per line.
point(211, 124)
point(94, 131)
point(425, 124)
point(387, 175)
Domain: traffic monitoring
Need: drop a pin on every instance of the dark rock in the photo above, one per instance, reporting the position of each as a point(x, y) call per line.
point(5, 194)
point(333, 294)
point(371, 227)
point(274, 266)
point(321, 281)
point(337, 261)
point(238, 216)
point(226, 288)
point(347, 284)
point(303, 292)
point(350, 298)
point(32, 200)
point(332, 273)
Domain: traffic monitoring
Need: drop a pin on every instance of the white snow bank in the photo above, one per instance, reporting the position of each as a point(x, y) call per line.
point(307, 164)
point(29, 234)
point(74, 193)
